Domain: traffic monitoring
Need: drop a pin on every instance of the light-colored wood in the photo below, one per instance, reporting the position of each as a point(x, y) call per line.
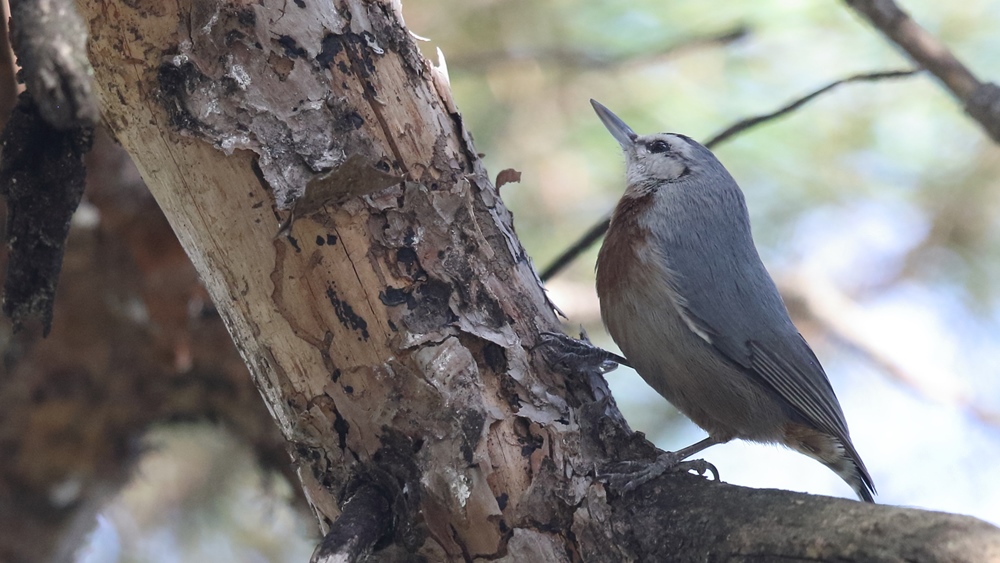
point(392, 334)
point(412, 308)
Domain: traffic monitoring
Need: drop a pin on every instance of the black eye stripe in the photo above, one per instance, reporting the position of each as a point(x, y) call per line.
point(659, 146)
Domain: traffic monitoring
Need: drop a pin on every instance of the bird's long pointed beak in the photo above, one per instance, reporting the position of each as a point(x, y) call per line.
point(621, 132)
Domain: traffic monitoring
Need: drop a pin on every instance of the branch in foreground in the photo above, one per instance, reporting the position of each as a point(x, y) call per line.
point(982, 100)
point(700, 520)
point(597, 231)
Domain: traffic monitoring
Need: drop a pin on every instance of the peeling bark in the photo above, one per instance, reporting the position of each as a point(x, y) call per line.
point(392, 328)
point(335, 362)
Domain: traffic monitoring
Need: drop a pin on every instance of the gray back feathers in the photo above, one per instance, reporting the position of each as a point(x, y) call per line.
point(701, 229)
point(679, 256)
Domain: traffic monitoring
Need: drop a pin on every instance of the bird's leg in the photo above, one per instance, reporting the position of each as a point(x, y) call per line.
point(623, 476)
point(578, 355)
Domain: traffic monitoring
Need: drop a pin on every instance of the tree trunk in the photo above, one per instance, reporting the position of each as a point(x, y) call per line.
point(315, 170)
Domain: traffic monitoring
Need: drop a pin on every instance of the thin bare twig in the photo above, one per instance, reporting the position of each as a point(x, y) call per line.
point(982, 100)
point(592, 235)
point(745, 124)
point(597, 231)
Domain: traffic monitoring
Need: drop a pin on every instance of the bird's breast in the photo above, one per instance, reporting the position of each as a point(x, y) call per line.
point(619, 261)
point(639, 307)
point(632, 284)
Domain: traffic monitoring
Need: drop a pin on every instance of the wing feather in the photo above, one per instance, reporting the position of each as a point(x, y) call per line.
point(705, 251)
point(811, 396)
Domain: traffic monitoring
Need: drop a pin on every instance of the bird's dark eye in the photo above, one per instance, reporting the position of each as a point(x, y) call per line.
point(659, 146)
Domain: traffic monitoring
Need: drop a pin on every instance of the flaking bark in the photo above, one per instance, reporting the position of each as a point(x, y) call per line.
point(393, 332)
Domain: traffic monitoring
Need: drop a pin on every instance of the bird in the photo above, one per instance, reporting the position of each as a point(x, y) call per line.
point(685, 296)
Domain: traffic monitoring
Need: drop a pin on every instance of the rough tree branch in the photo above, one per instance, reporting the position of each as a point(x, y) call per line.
point(392, 328)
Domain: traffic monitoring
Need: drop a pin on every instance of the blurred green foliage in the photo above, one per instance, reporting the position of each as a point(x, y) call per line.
point(523, 71)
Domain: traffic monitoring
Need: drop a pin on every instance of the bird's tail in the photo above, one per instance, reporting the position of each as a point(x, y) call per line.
point(852, 470)
point(837, 454)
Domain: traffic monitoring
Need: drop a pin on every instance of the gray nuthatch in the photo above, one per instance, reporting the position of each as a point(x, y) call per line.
point(686, 298)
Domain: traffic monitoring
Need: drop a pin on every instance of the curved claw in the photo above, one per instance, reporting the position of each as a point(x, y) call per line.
point(698, 466)
point(627, 480)
point(578, 354)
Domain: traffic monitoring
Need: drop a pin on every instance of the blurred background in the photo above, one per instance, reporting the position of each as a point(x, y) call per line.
point(876, 207)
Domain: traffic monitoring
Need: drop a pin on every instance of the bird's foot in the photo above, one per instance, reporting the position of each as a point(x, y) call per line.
point(577, 355)
point(630, 475)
